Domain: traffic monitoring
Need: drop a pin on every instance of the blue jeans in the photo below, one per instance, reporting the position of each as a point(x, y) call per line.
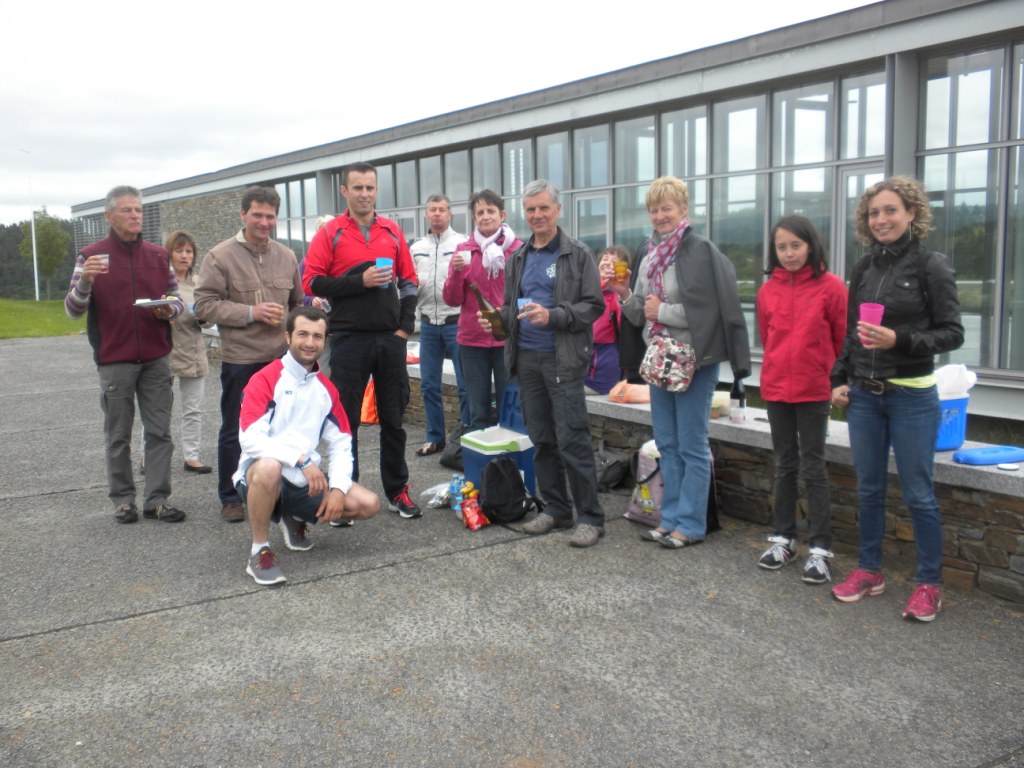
point(907, 419)
point(233, 378)
point(555, 412)
point(478, 365)
point(680, 422)
point(434, 341)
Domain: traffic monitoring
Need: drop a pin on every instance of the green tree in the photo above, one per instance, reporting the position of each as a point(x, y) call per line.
point(53, 246)
point(15, 273)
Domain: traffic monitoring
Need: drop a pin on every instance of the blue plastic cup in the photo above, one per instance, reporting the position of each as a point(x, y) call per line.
point(383, 262)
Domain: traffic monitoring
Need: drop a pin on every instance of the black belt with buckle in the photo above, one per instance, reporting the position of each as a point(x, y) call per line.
point(874, 386)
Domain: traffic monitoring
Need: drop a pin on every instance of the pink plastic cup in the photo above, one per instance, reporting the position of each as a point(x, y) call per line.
point(871, 313)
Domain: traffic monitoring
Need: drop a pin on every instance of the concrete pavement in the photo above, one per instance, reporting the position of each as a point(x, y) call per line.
point(419, 643)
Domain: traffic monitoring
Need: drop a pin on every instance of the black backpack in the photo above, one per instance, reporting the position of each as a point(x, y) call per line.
point(503, 496)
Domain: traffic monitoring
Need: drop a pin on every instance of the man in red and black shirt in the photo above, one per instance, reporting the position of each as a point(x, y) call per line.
point(373, 313)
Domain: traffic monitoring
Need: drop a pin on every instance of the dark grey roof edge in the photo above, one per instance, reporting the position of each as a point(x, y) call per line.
point(815, 31)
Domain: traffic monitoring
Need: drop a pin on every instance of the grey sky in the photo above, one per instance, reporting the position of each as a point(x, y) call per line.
point(154, 93)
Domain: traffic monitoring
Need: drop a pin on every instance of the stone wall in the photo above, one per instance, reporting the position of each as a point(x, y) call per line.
point(983, 530)
point(414, 413)
point(210, 218)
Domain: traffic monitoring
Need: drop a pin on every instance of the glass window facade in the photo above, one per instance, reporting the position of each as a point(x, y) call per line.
point(385, 188)
point(517, 157)
point(635, 150)
point(406, 188)
point(430, 178)
point(456, 176)
point(486, 168)
point(684, 142)
point(863, 116)
point(590, 152)
point(807, 148)
point(554, 159)
point(296, 218)
point(963, 158)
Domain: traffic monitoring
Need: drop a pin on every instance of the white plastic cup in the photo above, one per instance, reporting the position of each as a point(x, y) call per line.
point(104, 262)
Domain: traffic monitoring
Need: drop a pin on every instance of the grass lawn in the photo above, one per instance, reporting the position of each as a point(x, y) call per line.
point(32, 319)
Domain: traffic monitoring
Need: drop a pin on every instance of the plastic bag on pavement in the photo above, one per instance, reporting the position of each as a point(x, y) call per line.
point(436, 496)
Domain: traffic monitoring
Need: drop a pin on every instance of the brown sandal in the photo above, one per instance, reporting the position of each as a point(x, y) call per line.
point(429, 449)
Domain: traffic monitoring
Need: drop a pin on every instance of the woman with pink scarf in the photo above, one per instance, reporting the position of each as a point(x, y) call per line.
point(481, 261)
point(686, 290)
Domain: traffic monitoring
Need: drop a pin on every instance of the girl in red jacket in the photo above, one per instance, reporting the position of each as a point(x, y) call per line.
point(801, 311)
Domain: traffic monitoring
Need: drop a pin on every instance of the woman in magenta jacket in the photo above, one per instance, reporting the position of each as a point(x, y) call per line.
point(801, 311)
point(481, 260)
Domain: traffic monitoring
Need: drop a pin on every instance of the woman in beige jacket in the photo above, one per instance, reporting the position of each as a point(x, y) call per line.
point(188, 356)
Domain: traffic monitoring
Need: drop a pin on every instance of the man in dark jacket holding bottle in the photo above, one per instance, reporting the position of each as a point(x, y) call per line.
point(550, 340)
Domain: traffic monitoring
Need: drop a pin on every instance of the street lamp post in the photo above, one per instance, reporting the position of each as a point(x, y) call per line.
point(32, 226)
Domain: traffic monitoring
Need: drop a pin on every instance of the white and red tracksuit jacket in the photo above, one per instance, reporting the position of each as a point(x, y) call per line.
point(286, 410)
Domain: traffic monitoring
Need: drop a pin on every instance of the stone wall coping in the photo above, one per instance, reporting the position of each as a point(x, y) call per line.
point(755, 433)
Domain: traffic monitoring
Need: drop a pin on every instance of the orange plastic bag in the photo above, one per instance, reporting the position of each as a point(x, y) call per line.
point(624, 392)
point(368, 413)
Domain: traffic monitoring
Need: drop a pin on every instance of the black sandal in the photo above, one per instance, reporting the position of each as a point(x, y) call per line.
point(429, 449)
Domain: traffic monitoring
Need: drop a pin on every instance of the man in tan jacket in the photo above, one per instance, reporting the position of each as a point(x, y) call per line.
point(247, 284)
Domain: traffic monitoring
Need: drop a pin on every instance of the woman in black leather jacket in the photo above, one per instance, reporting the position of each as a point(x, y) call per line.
point(885, 375)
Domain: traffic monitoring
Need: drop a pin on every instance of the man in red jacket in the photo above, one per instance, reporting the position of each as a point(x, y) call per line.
point(373, 309)
point(131, 345)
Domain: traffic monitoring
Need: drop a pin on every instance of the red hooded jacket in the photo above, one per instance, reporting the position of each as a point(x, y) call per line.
point(803, 321)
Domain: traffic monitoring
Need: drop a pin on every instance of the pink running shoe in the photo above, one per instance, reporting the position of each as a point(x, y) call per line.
point(858, 584)
point(924, 604)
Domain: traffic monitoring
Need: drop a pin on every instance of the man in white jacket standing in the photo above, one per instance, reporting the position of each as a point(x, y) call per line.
point(287, 408)
point(439, 322)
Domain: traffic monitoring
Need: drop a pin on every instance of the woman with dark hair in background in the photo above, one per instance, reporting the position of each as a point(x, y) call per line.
point(801, 311)
point(885, 377)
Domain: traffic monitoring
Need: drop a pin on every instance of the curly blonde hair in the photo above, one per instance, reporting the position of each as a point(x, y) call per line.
point(914, 199)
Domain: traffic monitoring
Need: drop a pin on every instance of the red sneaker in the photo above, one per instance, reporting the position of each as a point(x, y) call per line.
point(858, 584)
point(924, 604)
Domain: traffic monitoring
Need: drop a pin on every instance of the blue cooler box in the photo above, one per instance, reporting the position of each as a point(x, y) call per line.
point(482, 446)
point(953, 425)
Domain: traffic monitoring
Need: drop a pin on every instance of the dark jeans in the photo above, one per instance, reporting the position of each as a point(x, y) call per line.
point(556, 419)
point(798, 439)
point(233, 378)
point(478, 365)
point(355, 356)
